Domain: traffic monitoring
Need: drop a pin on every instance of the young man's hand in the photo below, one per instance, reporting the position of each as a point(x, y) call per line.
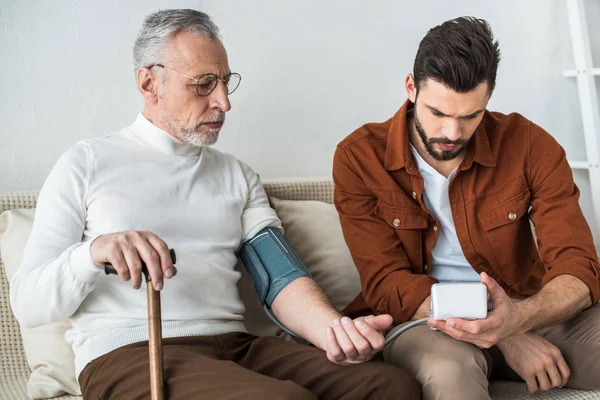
point(500, 323)
point(355, 341)
point(536, 360)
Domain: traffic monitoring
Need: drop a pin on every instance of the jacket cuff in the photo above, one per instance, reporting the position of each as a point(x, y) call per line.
point(584, 269)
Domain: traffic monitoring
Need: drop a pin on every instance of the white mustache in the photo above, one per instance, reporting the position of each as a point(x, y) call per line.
point(217, 118)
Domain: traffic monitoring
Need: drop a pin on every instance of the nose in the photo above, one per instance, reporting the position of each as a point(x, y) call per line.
point(219, 98)
point(451, 129)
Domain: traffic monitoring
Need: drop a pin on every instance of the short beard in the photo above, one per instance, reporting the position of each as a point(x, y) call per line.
point(193, 136)
point(428, 143)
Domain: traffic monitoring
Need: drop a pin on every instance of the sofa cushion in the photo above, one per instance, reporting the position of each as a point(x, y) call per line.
point(50, 357)
point(313, 230)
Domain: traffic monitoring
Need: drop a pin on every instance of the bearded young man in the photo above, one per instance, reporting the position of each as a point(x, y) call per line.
point(444, 191)
point(127, 197)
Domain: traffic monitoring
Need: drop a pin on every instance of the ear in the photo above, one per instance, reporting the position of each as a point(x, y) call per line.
point(147, 83)
point(411, 88)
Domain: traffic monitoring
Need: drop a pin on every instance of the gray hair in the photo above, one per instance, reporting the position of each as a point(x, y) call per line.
point(160, 26)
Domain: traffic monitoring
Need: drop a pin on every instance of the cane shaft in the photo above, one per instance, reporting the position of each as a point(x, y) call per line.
point(155, 343)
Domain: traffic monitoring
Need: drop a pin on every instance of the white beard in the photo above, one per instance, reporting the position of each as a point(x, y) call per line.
point(192, 136)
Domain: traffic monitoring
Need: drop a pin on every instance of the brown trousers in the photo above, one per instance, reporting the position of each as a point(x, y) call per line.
point(451, 369)
point(241, 366)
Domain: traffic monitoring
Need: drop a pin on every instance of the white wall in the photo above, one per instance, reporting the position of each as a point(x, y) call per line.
point(312, 70)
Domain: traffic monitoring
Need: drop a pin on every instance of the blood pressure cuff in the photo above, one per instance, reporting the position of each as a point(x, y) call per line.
point(271, 263)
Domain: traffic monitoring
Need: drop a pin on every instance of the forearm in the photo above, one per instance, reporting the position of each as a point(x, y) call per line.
point(305, 309)
point(558, 301)
point(53, 290)
point(56, 272)
point(423, 311)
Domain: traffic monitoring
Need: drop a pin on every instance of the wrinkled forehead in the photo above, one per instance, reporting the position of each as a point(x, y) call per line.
point(197, 54)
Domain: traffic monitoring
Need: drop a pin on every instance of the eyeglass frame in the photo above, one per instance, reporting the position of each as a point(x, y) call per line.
point(224, 81)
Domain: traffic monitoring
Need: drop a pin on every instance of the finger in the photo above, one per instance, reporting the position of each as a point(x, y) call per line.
point(334, 352)
point(360, 343)
point(473, 327)
point(483, 330)
point(462, 335)
point(565, 371)
point(378, 322)
point(455, 333)
point(164, 254)
point(432, 323)
point(531, 382)
point(543, 380)
point(374, 337)
point(494, 290)
point(554, 376)
point(134, 265)
point(119, 263)
point(343, 340)
point(152, 260)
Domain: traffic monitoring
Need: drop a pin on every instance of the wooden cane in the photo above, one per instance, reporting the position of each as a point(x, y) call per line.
point(155, 342)
point(154, 332)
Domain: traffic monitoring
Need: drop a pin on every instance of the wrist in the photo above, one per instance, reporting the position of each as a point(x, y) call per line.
point(318, 335)
point(525, 312)
point(505, 343)
point(321, 341)
point(91, 251)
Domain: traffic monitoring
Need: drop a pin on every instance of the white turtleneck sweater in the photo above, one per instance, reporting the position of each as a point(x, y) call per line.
point(201, 202)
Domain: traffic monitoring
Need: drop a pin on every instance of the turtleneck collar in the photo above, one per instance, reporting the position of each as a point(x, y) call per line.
point(144, 131)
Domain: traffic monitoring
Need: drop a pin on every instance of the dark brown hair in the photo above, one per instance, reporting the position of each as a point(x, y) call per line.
point(460, 53)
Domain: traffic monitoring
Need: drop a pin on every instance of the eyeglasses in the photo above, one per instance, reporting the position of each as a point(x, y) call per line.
point(208, 82)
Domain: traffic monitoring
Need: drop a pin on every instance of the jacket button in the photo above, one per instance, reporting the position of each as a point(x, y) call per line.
point(396, 222)
point(435, 228)
point(512, 216)
point(414, 194)
point(425, 268)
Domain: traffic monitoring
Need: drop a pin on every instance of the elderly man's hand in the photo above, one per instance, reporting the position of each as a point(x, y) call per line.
point(536, 360)
point(356, 341)
point(126, 251)
point(484, 333)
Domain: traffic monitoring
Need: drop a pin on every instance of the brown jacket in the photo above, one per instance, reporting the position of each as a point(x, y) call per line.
point(513, 171)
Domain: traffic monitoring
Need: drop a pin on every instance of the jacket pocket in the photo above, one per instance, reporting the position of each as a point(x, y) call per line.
point(408, 224)
point(508, 212)
point(402, 217)
point(509, 233)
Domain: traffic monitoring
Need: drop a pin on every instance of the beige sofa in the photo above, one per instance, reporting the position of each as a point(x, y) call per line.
point(301, 204)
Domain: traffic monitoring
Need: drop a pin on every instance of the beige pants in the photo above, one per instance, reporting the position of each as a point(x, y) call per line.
point(450, 369)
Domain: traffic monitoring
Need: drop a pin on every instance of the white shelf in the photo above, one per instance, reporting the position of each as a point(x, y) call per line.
point(579, 164)
point(571, 73)
point(584, 74)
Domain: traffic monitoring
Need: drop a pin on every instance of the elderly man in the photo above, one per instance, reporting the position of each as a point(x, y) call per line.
point(127, 197)
point(444, 191)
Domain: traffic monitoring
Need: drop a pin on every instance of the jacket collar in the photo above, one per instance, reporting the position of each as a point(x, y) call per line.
point(398, 154)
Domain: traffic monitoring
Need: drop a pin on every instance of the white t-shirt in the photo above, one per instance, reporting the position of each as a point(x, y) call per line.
point(449, 262)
